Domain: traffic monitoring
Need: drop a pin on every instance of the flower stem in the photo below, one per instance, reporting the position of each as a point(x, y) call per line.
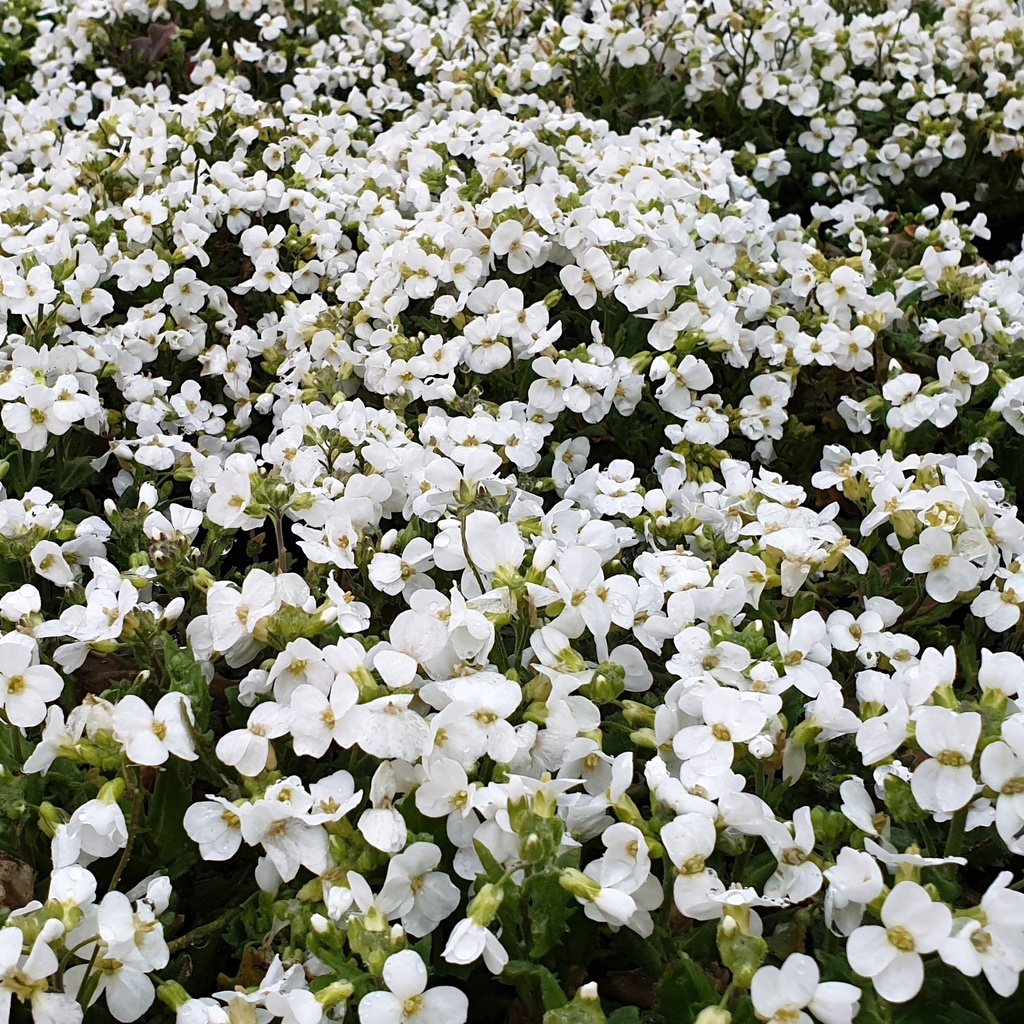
point(955, 842)
point(211, 927)
point(133, 828)
point(282, 553)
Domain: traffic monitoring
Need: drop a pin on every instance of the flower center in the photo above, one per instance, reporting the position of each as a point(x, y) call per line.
point(901, 938)
point(693, 866)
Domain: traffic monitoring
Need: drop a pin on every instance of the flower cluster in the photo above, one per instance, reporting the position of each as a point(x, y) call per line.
point(470, 548)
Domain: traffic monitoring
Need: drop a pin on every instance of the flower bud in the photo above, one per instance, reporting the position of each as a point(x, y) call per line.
point(111, 791)
point(336, 992)
point(714, 1015)
point(202, 580)
point(171, 994)
point(483, 907)
point(50, 818)
point(637, 714)
point(579, 884)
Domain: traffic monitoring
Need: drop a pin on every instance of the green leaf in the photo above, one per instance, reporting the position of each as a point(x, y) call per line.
point(172, 795)
point(625, 1015)
point(684, 991)
point(186, 676)
point(74, 475)
point(493, 871)
point(550, 910)
point(537, 987)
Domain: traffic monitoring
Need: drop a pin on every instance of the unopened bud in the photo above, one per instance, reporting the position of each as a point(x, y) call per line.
point(483, 908)
point(579, 884)
point(111, 791)
point(337, 992)
point(171, 994)
point(714, 1015)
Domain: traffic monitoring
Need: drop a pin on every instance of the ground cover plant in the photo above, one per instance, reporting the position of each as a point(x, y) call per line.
point(509, 511)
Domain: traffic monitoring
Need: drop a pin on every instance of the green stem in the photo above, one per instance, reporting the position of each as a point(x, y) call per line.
point(133, 828)
point(210, 928)
point(465, 551)
point(727, 994)
point(955, 842)
point(282, 552)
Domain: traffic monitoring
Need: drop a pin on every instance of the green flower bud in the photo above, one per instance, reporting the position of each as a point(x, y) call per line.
point(606, 684)
point(337, 992)
point(171, 994)
point(637, 714)
point(50, 817)
point(483, 907)
point(203, 580)
point(111, 791)
point(579, 884)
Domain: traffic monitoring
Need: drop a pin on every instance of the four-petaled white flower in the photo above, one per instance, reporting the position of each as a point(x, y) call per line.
point(407, 1001)
point(890, 954)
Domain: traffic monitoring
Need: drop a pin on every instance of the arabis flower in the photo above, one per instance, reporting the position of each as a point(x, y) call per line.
point(890, 954)
point(945, 781)
point(780, 995)
point(948, 573)
point(407, 1002)
point(150, 736)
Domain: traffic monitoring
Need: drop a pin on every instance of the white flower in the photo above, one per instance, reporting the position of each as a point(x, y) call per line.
point(689, 841)
point(39, 416)
point(51, 564)
point(471, 940)
point(290, 842)
point(945, 781)
point(150, 736)
point(797, 877)
point(25, 687)
point(247, 749)
point(317, 719)
point(890, 954)
point(854, 881)
point(97, 829)
point(388, 728)
point(993, 941)
point(416, 893)
point(730, 718)
point(780, 995)
point(407, 1002)
point(948, 573)
point(27, 978)
point(216, 826)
